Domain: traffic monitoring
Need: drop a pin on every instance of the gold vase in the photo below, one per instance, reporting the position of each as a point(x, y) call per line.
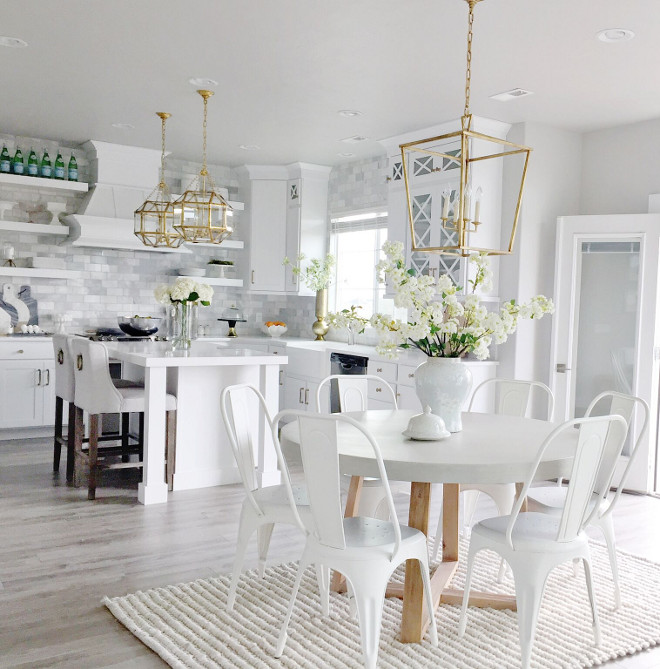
point(320, 327)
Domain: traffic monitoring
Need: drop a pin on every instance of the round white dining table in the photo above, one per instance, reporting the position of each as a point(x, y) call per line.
point(491, 448)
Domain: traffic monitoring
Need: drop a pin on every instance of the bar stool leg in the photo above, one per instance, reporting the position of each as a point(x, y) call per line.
point(57, 443)
point(170, 449)
point(79, 429)
point(125, 418)
point(93, 454)
point(71, 442)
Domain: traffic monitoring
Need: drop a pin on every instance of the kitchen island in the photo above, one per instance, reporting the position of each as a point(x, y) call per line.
point(197, 378)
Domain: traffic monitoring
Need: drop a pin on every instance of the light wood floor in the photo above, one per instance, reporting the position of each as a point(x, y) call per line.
point(59, 554)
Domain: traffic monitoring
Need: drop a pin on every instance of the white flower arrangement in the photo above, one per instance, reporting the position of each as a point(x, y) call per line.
point(349, 318)
point(184, 291)
point(317, 275)
point(438, 323)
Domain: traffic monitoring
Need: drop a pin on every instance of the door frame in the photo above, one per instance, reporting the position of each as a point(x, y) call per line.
point(571, 232)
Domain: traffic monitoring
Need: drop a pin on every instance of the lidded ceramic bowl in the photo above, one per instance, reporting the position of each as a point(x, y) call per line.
point(426, 427)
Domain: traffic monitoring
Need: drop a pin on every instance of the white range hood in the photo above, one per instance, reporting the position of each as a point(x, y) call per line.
point(123, 178)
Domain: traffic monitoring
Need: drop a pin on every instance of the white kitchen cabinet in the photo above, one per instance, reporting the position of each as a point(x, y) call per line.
point(286, 212)
point(27, 384)
point(299, 393)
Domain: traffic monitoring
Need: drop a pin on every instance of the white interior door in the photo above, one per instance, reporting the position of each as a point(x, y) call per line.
point(605, 324)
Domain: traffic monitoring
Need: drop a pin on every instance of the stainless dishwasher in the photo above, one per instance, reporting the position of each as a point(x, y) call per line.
point(344, 363)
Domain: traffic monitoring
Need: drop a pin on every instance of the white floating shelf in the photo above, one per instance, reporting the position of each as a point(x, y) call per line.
point(40, 273)
point(217, 281)
point(39, 182)
point(227, 244)
point(35, 228)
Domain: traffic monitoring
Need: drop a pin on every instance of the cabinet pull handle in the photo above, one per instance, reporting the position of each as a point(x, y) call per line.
point(79, 362)
point(20, 350)
point(38, 377)
point(281, 378)
point(276, 353)
point(306, 395)
point(379, 389)
point(60, 357)
point(252, 277)
point(300, 396)
point(47, 377)
point(379, 369)
point(411, 375)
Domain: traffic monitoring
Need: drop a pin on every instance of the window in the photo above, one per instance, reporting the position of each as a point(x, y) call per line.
point(356, 241)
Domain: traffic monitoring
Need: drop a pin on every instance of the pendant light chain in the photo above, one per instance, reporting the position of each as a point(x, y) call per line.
point(468, 71)
point(205, 95)
point(163, 117)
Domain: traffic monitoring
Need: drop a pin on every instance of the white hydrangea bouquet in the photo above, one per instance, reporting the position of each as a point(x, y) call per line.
point(186, 291)
point(439, 323)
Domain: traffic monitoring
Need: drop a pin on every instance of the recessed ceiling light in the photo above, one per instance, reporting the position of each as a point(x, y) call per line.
point(513, 94)
point(249, 147)
point(346, 155)
point(202, 81)
point(615, 35)
point(349, 113)
point(12, 42)
point(355, 139)
point(123, 126)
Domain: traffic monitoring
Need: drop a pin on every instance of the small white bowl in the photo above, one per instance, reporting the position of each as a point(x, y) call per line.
point(426, 427)
point(191, 271)
point(274, 330)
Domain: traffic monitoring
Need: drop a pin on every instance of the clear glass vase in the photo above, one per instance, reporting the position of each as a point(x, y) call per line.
point(184, 326)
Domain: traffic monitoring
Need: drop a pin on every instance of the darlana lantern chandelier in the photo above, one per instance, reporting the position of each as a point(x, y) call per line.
point(477, 155)
point(201, 213)
point(154, 219)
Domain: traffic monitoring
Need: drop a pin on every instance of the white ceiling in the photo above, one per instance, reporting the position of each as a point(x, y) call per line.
point(286, 67)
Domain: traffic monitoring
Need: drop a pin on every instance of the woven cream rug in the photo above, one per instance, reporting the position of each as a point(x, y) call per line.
point(187, 625)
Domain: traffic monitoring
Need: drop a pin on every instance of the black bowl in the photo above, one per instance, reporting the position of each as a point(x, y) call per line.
point(138, 326)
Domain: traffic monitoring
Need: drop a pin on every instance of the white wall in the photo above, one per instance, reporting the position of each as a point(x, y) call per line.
point(552, 189)
point(620, 168)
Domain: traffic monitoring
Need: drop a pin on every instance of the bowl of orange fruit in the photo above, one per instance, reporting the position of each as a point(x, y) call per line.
point(274, 328)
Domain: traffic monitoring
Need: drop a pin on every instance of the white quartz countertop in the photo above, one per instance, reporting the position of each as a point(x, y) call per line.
point(202, 354)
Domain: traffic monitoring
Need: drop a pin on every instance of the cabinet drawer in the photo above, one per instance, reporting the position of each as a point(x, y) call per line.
point(308, 363)
point(386, 370)
point(378, 391)
point(17, 349)
point(406, 375)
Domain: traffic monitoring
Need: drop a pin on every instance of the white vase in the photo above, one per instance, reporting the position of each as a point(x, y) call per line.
point(444, 384)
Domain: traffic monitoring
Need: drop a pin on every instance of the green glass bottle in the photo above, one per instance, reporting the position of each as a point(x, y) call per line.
point(17, 164)
point(58, 172)
point(46, 166)
point(73, 169)
point(5, 160)
point(33, 164)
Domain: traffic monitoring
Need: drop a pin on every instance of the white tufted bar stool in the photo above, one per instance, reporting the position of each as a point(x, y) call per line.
point(97, 394)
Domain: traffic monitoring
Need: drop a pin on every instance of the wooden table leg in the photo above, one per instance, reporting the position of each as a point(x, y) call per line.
point(352, 505)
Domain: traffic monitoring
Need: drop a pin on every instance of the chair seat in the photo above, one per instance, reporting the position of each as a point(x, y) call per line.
point(551, 499)
point(275, 495)
point(536, 532)
point(133, 400)
point(363, 532)
point(125, 383)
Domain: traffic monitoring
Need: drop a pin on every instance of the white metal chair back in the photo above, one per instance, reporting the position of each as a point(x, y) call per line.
point(625, 406)
point(65, 386)
point(513, 398)
point(600, 441)
point(95, 392)
point(319, 435)
point(353, 391)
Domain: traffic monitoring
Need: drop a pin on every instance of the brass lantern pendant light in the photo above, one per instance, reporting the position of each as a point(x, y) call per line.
point(463, 159)
point(154, 219)
point(201, 213)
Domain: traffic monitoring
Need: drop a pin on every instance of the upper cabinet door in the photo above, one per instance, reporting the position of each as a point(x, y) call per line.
point(267, 220)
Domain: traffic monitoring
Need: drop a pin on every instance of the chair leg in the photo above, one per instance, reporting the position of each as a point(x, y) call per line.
point(323, 579)
point(281, 642)
point(592, 600)
point(530, 583)
point(370, 602)
point(170, 446)
point(428, 596)
point(470, 500)
point(246, 527)
point(71, 441)
point(606, 524)
point(57, 441)
point(93, 454)
point(79, 435)
point(264, 533)
point(125, 421)
point(473, 550)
